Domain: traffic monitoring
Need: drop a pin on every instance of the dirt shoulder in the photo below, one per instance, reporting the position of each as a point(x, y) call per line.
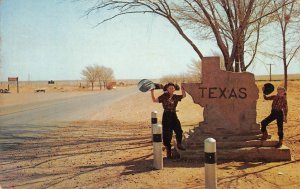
point(114, 150)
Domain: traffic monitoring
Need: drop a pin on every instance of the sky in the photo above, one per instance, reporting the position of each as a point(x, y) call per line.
point(53, 39)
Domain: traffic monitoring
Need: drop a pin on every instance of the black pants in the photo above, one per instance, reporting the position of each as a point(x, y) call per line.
point(170, 122)
point(275, 114)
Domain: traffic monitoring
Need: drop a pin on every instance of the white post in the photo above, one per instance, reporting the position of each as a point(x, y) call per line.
point(210, 163)
point(153, 118)
point(153, 121)
point(157, 146)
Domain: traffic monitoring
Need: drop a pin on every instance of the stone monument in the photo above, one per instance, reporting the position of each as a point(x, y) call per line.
point(229, 101)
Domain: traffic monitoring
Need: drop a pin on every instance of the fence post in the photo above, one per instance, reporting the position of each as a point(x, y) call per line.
point(157, 146)
point(210, 163)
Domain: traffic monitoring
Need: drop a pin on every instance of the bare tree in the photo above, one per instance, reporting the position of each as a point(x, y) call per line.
point(194, 70)
point(288, 18)
point(183, 77)
point(171, 78)
point(178, 78)
point(90, 75)
point(232, 24)
point(99, 75)
point(107, 75)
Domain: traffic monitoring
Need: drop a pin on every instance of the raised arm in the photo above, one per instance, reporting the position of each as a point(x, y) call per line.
point(153, 97)
point(269, 97)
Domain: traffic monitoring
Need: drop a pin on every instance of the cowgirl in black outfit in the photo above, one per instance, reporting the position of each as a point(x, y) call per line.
point(170, 120)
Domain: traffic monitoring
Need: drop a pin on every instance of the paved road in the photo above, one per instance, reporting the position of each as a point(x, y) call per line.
point(31, 120)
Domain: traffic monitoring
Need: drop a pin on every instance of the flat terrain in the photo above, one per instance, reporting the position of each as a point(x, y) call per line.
point(42, 112)
point(111, 148)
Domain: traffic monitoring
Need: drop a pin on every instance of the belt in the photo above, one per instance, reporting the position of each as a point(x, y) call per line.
point(170, 110)
point(276, 110)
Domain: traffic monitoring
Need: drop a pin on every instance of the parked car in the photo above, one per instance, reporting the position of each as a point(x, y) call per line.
point(40, 90)
point(4, 91)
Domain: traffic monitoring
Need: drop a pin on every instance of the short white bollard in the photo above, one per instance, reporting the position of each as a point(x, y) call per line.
point(153, 121)
point(154, 117)
point(157, 146)
point(210, 163)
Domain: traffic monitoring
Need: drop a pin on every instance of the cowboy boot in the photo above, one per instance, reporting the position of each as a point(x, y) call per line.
point(264, 135)
point(279, 144)
point(169, 153)
point(180, 147)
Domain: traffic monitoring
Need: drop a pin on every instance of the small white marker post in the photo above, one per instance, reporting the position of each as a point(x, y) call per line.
point(157, 146)
point(153, 118)
point(210, 163)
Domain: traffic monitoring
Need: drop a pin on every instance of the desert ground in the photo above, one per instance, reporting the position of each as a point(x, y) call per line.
point(114, 150)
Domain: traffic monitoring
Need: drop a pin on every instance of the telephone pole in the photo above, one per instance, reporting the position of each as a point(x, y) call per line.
point(270, 72)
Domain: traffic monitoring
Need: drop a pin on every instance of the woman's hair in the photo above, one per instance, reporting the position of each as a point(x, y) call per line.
point(281, 88)
point(171, 84)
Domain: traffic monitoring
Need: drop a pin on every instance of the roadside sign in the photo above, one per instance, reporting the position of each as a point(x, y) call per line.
point(12, 78)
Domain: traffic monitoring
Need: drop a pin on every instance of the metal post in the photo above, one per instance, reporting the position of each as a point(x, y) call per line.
point(210, 163)
point(157, 146)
